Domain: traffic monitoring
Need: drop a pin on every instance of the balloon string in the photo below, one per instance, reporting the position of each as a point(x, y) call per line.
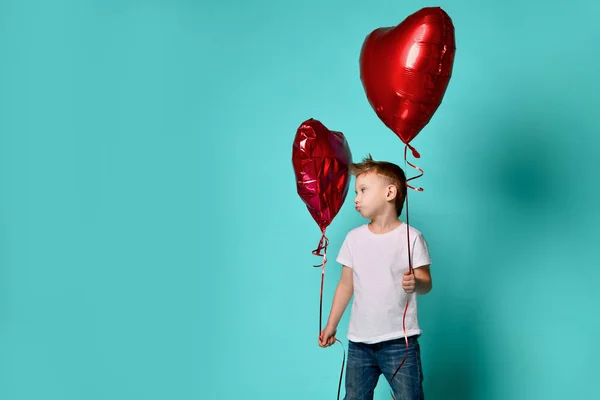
point(342, 370)
point(416, 155)
point(410, 265)
point(321, 251)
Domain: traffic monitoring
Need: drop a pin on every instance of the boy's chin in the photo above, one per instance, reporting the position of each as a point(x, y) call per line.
point(363, 214)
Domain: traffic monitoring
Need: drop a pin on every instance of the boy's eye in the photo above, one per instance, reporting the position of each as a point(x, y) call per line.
point(362, 190)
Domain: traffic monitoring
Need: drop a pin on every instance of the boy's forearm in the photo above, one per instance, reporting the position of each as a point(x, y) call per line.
point(341, 298)
point(422, 286)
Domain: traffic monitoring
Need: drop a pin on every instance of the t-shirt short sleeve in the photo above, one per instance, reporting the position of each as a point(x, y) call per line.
point(345, 254)
point(420, 252)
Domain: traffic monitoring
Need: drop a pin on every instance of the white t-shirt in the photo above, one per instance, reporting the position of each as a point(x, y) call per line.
point(378, 263)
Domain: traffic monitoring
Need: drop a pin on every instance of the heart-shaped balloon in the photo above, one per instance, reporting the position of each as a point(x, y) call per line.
point(321, 160)
point(405, 70)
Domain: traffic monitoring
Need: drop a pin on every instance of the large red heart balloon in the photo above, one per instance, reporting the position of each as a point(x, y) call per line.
point(405, 70)
point(321, 161)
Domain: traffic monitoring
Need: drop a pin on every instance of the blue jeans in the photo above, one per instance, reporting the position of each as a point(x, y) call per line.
point(367, 361)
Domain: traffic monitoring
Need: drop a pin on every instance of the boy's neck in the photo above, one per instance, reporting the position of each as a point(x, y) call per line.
point(384, 224)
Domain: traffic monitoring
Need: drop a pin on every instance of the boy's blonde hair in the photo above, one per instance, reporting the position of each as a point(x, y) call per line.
point(392, 172)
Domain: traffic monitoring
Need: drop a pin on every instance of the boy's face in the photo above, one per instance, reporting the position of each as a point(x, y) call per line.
point(372, 194)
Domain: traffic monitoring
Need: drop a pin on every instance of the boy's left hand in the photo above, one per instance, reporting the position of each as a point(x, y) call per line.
point(409, 283)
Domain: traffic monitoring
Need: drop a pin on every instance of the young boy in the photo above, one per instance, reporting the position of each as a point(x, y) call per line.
point(376, 270)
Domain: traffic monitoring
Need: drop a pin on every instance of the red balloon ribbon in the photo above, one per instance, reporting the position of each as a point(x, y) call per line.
point(321, 251)
point(410, 265)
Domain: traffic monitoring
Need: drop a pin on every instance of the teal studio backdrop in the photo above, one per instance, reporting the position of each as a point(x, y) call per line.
point(153, 245)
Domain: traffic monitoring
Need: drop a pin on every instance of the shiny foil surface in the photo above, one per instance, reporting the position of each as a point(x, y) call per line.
point(321, 158)
point(405, 70)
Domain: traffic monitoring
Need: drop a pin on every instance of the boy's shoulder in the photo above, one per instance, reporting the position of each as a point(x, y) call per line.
point(357, 231)
point(413, 230)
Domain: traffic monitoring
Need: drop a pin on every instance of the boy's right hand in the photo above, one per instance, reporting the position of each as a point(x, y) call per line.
point(327, 336)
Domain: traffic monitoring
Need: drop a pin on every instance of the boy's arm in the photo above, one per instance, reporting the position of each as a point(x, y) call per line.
point(422, 279)
point(341, 298)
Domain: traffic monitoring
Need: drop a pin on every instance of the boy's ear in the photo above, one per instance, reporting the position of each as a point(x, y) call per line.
point(392, 192)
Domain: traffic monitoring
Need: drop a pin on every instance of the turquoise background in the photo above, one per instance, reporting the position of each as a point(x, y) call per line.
point(153, 245)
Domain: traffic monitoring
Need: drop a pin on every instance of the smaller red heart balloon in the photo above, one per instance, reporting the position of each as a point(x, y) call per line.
point(405, 70)
point(321, 160)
